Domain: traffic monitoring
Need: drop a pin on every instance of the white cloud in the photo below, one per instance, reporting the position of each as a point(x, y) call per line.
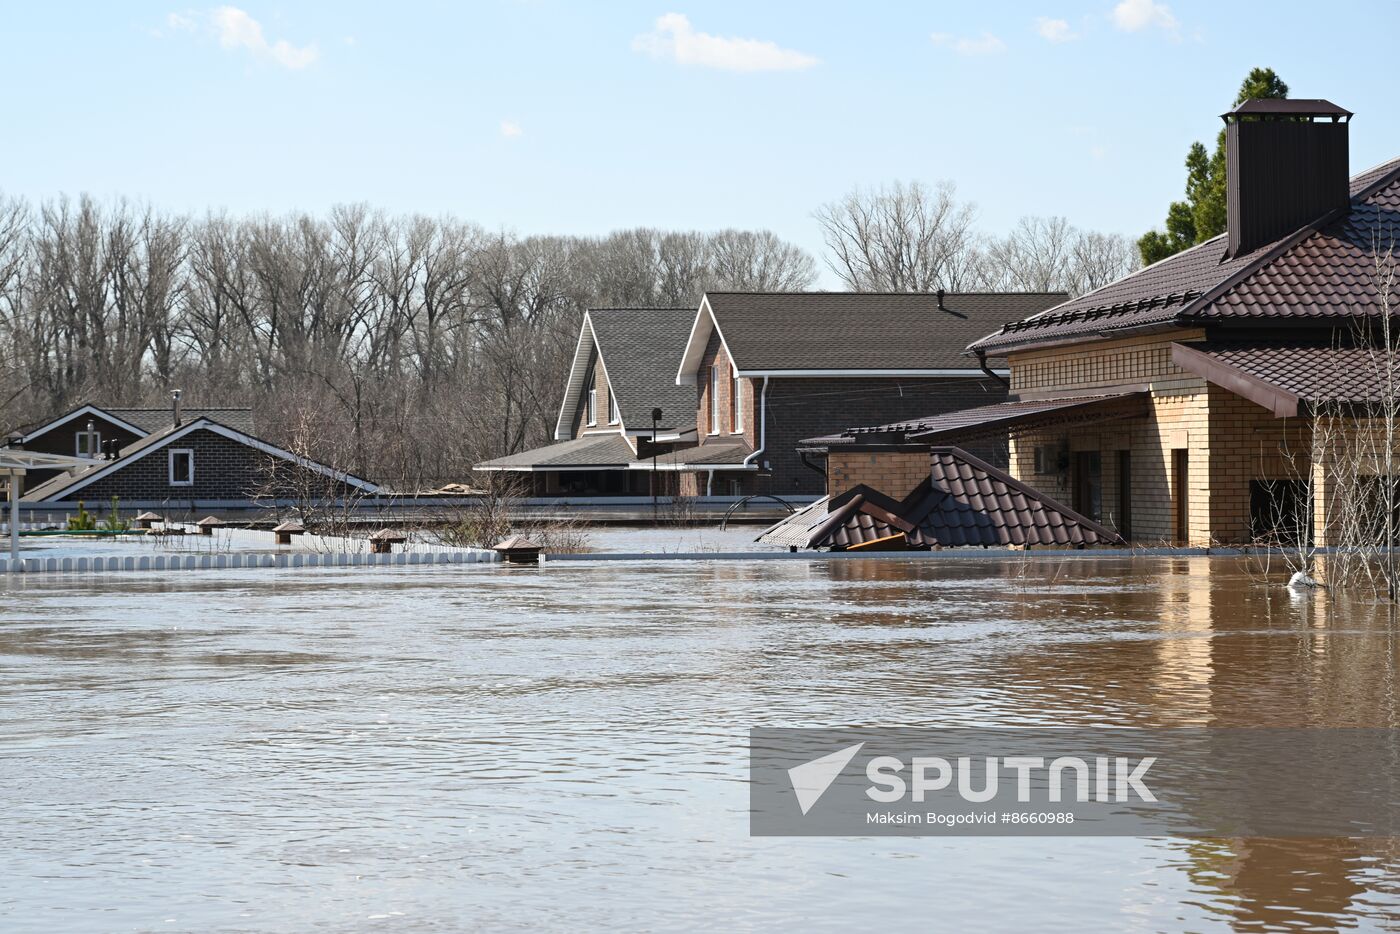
point(180, 22)
point(1054, 30)
point(986, 44)
point(237, 30)
point(1136, 15)
point(510, 129)
point(676, 40)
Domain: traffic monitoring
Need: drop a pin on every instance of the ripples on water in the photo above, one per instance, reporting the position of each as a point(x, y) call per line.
point(446, 749)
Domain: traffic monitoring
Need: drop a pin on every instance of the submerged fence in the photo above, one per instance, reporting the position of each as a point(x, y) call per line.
point(207, 562)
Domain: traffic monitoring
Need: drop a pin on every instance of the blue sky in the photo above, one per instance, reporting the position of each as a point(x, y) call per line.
point(545, 116)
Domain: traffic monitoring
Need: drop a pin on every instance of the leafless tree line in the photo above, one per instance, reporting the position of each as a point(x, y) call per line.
point(420, 345)
point(909, 237)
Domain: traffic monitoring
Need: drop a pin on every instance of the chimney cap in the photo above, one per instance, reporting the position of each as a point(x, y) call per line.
point(1287, 107)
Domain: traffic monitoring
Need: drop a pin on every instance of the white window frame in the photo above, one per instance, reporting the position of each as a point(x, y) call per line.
point(736, 389)
point(714, 399)
point(592, 407)
point(78, 444)
point(170, 466)
point(614, 415)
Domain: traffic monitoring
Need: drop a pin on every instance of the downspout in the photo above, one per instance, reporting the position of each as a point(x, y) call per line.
point(762, 423)
point(710, 485)
point(982, 362)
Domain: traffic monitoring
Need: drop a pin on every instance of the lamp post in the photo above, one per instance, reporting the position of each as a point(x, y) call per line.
point(655, 417)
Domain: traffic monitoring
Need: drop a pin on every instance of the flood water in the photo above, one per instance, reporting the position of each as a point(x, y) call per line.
point(458, 748)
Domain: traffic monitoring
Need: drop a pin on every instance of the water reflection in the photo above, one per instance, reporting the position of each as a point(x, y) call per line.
point(564, 747)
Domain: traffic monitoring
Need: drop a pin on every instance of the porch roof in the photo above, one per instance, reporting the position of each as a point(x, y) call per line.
point(986, 420)
point(608, 451)
point(717, 455)
point(1289, 377)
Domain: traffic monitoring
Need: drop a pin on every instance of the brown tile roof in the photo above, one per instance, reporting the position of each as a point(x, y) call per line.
point(768, 331)
point(964, 502)
point(1319, 271)
point(1281, 374)
point(990, 419)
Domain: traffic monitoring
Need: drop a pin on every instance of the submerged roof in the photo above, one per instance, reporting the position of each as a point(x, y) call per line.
point(639, 348)
point(964, 502)
point(588, 451)
point(1322, 271)
point(840, 332)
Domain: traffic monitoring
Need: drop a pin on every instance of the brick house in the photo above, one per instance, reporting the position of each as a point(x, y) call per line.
point(101, 431)
point(770, 369)
point(200, 463)
point(1173, 404)
point(622, 371)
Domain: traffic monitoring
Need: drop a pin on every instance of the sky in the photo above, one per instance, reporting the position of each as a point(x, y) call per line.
point(542, 116)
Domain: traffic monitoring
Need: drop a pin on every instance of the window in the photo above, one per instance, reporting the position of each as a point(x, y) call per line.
point(714, 400)
point(593, 406)
point(1088, 484)
point(614, 416)
point(181, 467)
point(81, 442)
point(736, 411)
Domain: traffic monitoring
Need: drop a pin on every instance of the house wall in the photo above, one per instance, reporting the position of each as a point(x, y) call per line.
point(604, 390)
point(807, 407)
point(894, 473)
point(1230, 441)
point(61, 440)
point(223, 469)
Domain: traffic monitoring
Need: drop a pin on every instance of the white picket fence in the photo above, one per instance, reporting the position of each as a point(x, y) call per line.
point(221, 562)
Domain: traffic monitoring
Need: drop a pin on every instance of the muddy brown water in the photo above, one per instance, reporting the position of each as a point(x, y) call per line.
point(463, 748)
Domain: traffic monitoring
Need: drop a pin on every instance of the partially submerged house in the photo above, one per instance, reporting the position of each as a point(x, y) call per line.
point(200, 463)
point(1178, 404)
point(94, 431)
point(623, 371)
point(740, 380)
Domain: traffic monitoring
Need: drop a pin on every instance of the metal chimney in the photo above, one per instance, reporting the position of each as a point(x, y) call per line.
point(175, 395)
point(1286, 166)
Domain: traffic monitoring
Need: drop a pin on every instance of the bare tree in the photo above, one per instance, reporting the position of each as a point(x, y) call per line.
point(904, 237)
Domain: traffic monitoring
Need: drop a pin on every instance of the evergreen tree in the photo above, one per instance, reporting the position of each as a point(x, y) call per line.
point(1203, 214)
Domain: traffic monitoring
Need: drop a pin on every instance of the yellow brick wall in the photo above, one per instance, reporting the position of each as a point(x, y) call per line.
point(894, 473)
point(1103, 364)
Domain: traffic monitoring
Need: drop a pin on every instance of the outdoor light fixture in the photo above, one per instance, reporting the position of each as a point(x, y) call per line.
point(655, 417)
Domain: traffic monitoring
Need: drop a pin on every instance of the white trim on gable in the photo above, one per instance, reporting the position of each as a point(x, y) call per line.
point(232, 434)
point(578, 370)
point(705, 324)
point(88, 409)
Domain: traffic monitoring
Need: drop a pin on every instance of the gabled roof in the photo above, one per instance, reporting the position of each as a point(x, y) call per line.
point(1321, 271)
point(851, 333)
point(964, 502)
point(67, 484)
point(639, 348)
point(588, 452)
point(138, 421)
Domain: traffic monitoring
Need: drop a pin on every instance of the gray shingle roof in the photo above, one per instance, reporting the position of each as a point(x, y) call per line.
point(641, 348)
point(712, 454)
point(863, 330)
point(598, 450)
point(156, 419)
point(1315, 272)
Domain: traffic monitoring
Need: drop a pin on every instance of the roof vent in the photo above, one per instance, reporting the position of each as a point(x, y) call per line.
point(1286, 166)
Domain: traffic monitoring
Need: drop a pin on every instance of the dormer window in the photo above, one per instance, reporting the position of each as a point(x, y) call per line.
point(714, 400)
point(736, 411)
point(592, 407)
